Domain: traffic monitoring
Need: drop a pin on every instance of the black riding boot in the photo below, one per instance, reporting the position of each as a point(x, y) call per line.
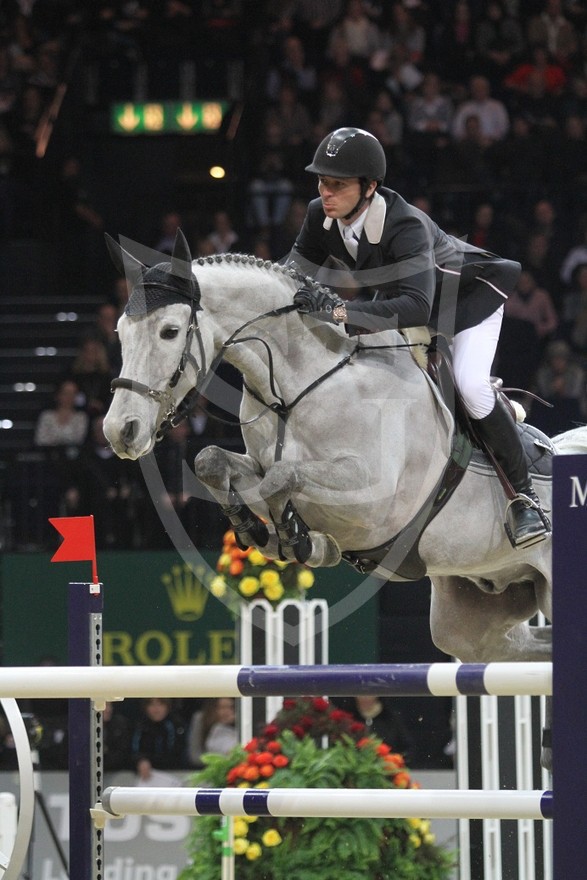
point(526, 523)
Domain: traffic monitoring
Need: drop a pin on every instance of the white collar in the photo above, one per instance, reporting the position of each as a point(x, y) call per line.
point(372, 220)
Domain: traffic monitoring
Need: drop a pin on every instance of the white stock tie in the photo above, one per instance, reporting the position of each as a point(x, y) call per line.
point(351, 241)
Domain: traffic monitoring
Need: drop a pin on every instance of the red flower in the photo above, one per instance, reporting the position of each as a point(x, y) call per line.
point(271, 730)
point(266, 770)
point(251, 774)
point(383, 749)
point(339, 715)
point(288, 703)
point(280, 761)
point(357, 727)
point(298, 731)
point(306, 721)
point(263, 758)
point(365, 742)
point(252, 745)
point(274, 746)
point(320, 704)
point(401, 780)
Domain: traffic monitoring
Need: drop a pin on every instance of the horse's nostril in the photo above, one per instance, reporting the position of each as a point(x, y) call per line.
point(130, 431)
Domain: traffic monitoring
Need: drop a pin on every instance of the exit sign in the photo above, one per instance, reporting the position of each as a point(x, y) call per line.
point(167, 117)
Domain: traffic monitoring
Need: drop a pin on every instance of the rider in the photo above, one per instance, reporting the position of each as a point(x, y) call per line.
point(410, 273)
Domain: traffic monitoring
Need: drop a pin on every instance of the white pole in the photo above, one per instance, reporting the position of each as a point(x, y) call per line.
point(371, 803)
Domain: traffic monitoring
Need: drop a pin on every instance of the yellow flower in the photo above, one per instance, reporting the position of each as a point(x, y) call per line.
point(272, 837)
point(224, 560)
point(414, 823)
point(240, 846)
point(424, 826)
point(218, 586)
point(429, 838)
point(269, 578)
point(263, 784)
point(415, 840)
point(305, 579)
point(250, 819)
point(256, 558)
point(241, 828)
point(253, 851)
point(275, 592)
point(248, 586)
point(281, 563)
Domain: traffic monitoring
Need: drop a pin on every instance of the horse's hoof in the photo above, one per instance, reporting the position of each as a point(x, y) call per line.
point(325, 551)
point(546, 759)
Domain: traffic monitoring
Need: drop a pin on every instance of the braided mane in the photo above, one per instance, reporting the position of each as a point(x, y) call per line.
point(258, 263)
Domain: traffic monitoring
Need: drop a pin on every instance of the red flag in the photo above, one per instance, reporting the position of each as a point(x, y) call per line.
point(79, 544)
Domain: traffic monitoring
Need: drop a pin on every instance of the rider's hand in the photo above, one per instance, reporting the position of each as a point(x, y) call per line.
point(322, 302)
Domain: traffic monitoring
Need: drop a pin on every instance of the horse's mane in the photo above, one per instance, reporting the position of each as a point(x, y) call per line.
point(258, 263)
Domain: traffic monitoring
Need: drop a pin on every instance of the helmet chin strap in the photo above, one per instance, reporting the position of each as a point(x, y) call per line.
point(362, 198)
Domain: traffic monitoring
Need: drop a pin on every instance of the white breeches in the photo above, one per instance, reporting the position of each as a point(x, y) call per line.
point(473, 351)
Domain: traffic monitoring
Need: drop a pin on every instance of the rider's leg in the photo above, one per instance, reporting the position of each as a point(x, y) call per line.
point(473, 354)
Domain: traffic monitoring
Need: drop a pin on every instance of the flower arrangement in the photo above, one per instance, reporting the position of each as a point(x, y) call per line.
point(247, 574)
point(289, 753)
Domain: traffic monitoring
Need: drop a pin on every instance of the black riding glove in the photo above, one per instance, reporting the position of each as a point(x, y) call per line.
point(322, 303)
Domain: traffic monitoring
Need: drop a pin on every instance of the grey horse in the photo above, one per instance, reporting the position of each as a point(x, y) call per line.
point(345, 441)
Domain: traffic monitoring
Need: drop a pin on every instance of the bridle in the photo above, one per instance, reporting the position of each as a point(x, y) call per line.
point(164, 397)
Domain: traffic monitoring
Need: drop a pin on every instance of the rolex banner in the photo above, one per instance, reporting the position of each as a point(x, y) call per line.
point(158, 610)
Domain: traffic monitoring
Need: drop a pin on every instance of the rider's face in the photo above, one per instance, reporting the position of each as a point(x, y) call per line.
point(339, 195)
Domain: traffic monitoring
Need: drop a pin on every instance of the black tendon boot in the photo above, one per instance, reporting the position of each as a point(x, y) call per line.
point(526, 523)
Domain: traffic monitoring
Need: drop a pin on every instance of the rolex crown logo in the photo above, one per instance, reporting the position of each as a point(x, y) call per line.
point(186, 591)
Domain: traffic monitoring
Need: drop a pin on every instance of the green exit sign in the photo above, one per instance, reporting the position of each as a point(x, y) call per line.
point(167, 117)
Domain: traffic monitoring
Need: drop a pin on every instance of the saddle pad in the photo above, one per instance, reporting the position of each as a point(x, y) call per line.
point(537, 446)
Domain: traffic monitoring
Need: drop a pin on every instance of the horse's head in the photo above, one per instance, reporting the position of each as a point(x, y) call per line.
point(156, 334)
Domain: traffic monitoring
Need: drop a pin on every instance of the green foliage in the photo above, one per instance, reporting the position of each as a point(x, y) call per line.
point(314, 849)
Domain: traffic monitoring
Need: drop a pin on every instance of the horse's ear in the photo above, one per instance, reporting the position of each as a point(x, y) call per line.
point(124, 262)
point(181, 258)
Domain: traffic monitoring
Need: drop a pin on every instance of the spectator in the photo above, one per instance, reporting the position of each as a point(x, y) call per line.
point(158, 740)
point(382, 720)
point(492, 114)
point(561, 381)
point(171, 221)
point(104, 331)
point(102, 484)
point(65, 424)
point(551, 29)
point(576, 255)
point(405, 31)
point(334, 109)
point(357, 30)
point(575, 310)
point(212, 729)
point(499, 41)
point(92, 373)
point(292, 117)
point(531, 303)
point(116, 739)
point(485, 233)
point(312, 21)
point(453, 51)
point(223, 237)
point(541, 262)
point(553, 75)
point(293, 68)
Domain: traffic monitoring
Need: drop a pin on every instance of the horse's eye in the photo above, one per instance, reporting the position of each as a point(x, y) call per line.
point(169, 333)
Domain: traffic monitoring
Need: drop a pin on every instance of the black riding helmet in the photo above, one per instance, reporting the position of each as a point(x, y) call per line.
point(350, 152)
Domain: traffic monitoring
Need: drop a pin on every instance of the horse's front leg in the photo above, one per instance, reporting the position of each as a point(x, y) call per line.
point(229, 476)
point(282, 482)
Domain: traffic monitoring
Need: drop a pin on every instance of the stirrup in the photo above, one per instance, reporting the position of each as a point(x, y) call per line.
point(534, 537)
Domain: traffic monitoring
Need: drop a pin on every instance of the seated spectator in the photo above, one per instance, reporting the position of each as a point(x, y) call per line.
point(453, 50)
point(334, 109)
point(561, 381)
point(540, 259)
point(381, 719)
point(492, 113)
point(485, 233)
point(158, 740)
point(499, 41)
point(92, 374)
point(537, 105)
point(102, 484)
point(292, 117)
point(361, 35)
point(269, 193)
point(212, 730)
point(575, 310)
point(552, 29)
point(116, 739)
point(293, 68)
point(223, 237)
point(104, 330)
point(531, 303)
point(405, 31)
point(65, 424)
point(553, 75)
point(576, 255)
point(171, 221)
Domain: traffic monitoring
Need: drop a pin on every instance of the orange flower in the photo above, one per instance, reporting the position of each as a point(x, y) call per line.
point(236, 566)
point(383, 749)
point(364, 742)
point(251, 774)
point(280, 761)
point(274, 746)
point(394, 760)
point(263, 758)
point(266, 770)
point(401, 780)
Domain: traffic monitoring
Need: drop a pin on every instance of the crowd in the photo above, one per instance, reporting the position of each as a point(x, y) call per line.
point(481, 108)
